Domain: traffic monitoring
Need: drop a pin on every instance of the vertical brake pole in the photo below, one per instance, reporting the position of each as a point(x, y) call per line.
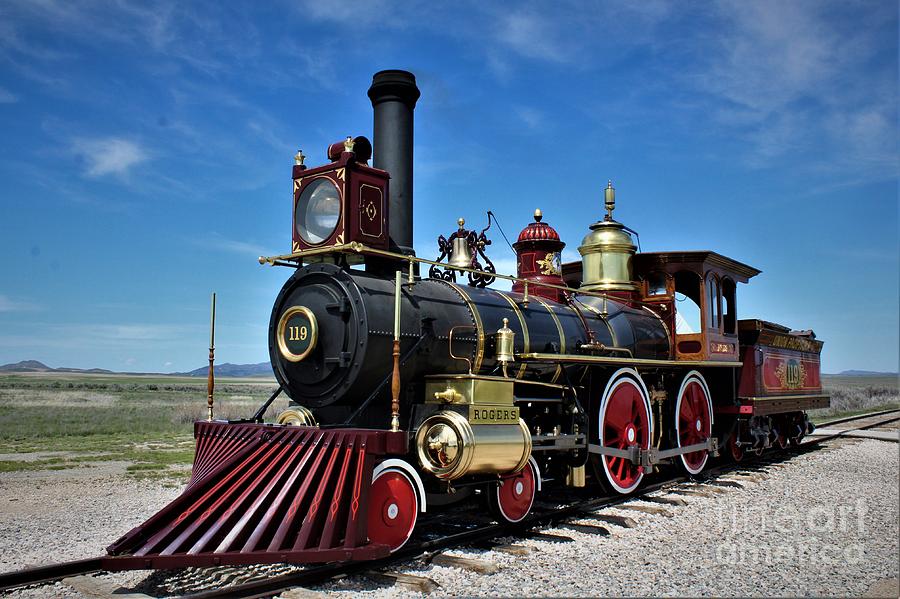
point(210, 378)
point(395, 379)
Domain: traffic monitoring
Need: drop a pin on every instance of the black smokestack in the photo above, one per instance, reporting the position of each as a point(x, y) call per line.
point(394, 95)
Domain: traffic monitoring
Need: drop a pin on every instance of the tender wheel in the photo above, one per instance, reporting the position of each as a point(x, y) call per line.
point(393, 508)
point(694, 422)
point(781, 440)
point(624, 422)
point(512, 500)
point(737, 454)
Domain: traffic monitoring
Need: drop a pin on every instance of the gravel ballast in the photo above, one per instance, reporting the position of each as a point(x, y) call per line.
point(822, 524)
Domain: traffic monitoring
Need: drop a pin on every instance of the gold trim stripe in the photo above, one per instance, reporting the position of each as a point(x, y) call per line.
point(525, 337)
point(783, 398)
point(479, 326)
point(562, 336)
point(664, 325)
point(612, 332)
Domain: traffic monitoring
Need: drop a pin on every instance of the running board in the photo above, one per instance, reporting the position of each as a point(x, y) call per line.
point(649, 457)
point(265, 494)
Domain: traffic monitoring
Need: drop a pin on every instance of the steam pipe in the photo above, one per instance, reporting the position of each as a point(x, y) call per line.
point(394, 94)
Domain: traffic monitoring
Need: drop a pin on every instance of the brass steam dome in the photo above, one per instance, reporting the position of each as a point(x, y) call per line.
point(607, 253)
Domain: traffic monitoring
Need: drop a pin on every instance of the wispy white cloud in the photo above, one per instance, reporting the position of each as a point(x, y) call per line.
point(210, 42)
point(8, 304)
point(354, 13)
point(78, 337)
point(531, 34)
point(533, 118)
point(219, 242)
point(7, 97)
point(108, 155)
point(784, 78)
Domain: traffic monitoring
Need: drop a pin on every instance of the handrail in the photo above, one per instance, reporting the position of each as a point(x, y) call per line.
point(578, 358)
point(294, 259)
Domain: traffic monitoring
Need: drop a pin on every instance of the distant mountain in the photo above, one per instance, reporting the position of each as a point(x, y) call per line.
point(35, 366)
point(225, 370)
point(26, 366)
point(235, 370)
point(862, 373)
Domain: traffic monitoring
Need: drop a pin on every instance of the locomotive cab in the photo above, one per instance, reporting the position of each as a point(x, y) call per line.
point(696, 293)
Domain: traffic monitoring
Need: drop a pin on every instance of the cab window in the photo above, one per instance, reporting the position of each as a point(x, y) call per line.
point(656, 284)
point(687, 303)
point(729, 316)
point(712, 301)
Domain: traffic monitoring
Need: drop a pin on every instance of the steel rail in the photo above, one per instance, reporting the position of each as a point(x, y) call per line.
point(857, 417)
point(478, 534)
point(51, 573)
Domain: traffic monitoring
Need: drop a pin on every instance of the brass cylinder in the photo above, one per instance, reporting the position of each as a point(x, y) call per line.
point(450, 447)
point(606, 256)
point(298, 416)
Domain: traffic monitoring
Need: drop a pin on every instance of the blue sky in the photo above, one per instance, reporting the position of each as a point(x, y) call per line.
point(146, 153)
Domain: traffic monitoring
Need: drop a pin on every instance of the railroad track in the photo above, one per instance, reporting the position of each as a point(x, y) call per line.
point(482, 536)
point(865, 421)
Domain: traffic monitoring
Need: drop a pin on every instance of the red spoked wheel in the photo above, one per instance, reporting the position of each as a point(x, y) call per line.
point(781, 440)
point(737, 453)
point(512, 500)
point(393, 508)
point(624, 422)
point(694, 421)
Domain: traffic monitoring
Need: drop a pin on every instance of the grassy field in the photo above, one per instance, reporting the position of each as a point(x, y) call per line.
point(59, 421)
point(857, 394)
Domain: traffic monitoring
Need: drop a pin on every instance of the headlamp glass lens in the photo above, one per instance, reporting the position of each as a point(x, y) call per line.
point(318, 211)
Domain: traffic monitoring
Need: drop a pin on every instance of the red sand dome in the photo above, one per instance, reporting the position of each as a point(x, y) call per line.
point(538, 231)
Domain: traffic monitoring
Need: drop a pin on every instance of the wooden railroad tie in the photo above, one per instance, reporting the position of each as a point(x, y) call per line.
point(695, 492)
point(512, 549)
point(647, 509)
point(475, 565)
point(753, 477)
point(592, 529)
point(301, 593)
point(546, 536)
point(721, 482)
point(91, 586)
point(709, 488)
point(420, 584)
point(665, 500)
point(623, 521)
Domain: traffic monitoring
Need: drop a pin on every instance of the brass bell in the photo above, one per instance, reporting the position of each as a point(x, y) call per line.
point(460, 254)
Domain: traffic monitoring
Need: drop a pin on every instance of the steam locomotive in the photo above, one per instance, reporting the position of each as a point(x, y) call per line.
point(412, 391)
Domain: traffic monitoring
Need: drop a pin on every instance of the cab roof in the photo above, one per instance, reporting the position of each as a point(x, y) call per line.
point(701, 261)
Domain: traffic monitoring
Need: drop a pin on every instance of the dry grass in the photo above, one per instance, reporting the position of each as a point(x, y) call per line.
point(82, 419)
point(149, 421)
point(856, 394)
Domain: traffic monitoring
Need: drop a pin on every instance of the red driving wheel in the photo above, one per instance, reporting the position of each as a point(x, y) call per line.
point(393, 508)
point(624, 423)
point(512, 500)
point(694, 422)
